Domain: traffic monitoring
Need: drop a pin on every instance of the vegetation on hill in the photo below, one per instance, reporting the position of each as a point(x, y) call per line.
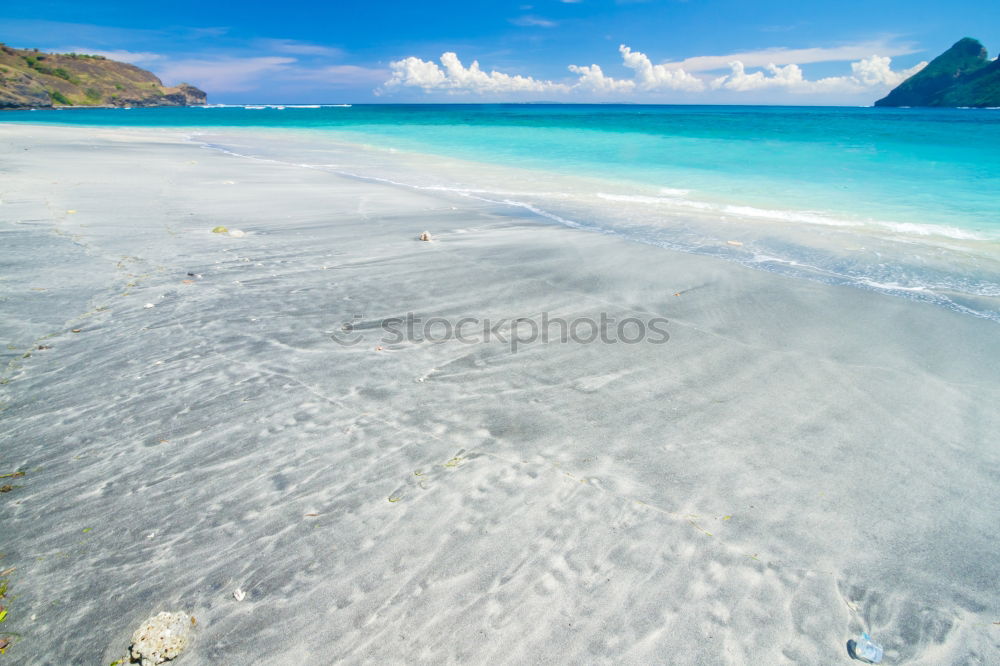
point(961, 76)
point(31, 79)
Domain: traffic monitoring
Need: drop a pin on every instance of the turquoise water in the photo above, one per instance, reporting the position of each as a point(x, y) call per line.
point(904, 200)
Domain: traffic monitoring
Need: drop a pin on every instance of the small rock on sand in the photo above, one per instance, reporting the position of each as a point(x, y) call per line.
point(161, 638)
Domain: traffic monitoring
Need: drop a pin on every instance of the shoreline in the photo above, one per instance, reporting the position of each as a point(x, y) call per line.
point(797, 463)
point(774, 240)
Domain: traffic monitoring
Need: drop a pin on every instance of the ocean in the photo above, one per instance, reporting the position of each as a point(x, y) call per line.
point(903, 201)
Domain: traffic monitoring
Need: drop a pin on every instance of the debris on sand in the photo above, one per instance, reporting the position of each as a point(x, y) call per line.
point(161, 638)
point(426, 236)
point(220, 230)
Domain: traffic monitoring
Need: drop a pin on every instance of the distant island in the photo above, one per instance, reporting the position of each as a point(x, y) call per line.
point(961, 76)
point(31, 79)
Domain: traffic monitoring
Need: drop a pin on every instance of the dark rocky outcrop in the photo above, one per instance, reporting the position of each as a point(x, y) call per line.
point(31, 79)
point(961, 76)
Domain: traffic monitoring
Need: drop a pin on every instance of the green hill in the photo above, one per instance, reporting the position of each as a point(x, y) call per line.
point(961, 76)
point(31, 79)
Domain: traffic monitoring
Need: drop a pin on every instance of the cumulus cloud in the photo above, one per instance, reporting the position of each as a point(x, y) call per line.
point(453, 76)
point(876, 70)
point(647, 77)
point(871, 72)
point(658, 77)
point(775, 76)
point(592, 78)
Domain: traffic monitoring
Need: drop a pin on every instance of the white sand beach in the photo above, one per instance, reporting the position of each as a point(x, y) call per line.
point(797, 464)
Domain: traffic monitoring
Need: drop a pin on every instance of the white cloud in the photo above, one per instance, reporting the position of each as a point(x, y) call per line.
point(413, 72)
point(783, 56)
point(296, 47)
point(121, 55)
point(455, 77)
point(225, 74)
point(658, 77)
point(530, 21)
point(592, 78)
point(868, 73)
point(876, 71)
point(780, 77)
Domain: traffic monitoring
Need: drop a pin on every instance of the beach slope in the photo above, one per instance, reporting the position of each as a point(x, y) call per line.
point(796, 464)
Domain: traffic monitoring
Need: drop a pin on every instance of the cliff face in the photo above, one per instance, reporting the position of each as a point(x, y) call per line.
point(961, 76)
point(31, 79)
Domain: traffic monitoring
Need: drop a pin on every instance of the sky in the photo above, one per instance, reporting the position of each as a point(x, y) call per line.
point(848, 52)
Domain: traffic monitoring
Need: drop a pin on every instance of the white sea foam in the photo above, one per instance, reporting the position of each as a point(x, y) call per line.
point(544, 213)
point(893, 286)
point(799, 216)
point(932, 230)
point(807, 217)
point(660, 201)
point(729, 209)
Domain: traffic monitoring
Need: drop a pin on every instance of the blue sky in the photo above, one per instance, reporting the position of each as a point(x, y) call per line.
point(655, 51)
